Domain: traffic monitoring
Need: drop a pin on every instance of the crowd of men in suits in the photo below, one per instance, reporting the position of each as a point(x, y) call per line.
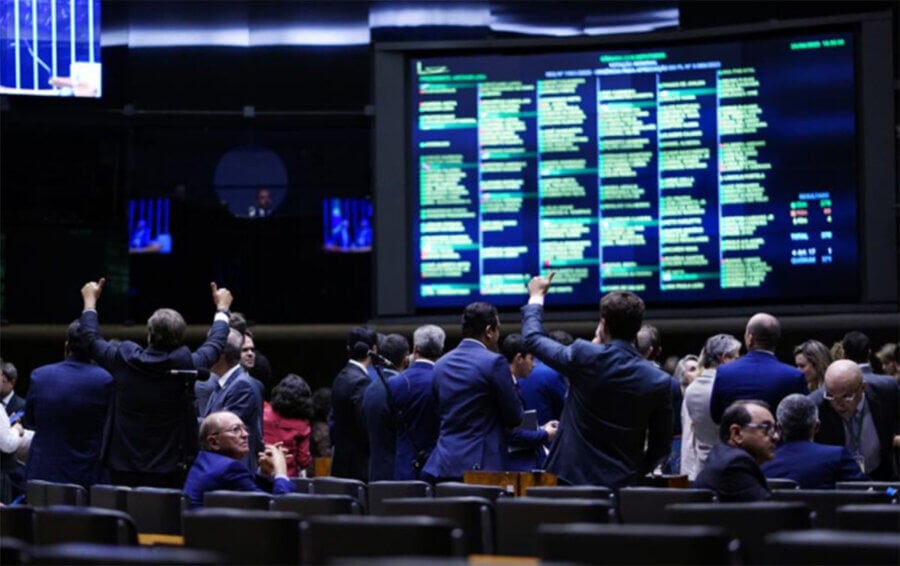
point(590, 412)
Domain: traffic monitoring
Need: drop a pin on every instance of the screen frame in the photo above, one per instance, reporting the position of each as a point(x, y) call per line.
point(393, 291)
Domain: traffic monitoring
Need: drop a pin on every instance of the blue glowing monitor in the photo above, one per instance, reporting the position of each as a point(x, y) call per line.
point(347, 224)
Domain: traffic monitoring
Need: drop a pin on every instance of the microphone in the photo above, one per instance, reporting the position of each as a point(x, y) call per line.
point(197, 373)
point(379, 359)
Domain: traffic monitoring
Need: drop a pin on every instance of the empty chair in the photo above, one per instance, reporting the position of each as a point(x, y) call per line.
point(381, 490)
point(303, 485)
point(87, 553)
point(869, 517)
point(474, 515)
point(326, 538)
point(64, 523)
point(245, 536)
point(782, 483)
point(237, 499)
point(65, 494)
point(869, 485)
point(570, 492)
point(648, 504)
point(14, 551)
point(305, 504)
point(110, 496)
point(747, 522)
point(17, 522)
point(36, 493)
point(459, 489)
point(831, 547)
point(634, 544)
point(517, 520)
point(341, 486)
point(156, 509)
point(824, 501)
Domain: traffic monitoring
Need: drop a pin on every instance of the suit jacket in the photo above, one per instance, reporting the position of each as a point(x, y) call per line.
point(12, 473)
point(615, 399)
point(526, 445)
point(242, 397)
point(882, 401)
point(476, 403)
point(813, 466)
point(349, 437)
point(412, 393)
point(212, 471)
point(154, 424)
point(293, 433)
point(381, 428)
point(544, 390)
point(67, 407)
point(699, 432)
point(733, 474)
point(757, 375)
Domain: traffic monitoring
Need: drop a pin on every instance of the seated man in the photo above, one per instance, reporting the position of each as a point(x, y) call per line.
point(813, 466)
point(748, 433)
point(224, 441)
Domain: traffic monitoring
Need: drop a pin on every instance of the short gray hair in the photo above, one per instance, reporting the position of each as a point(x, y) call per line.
point(716, 347)
point(428, 341)
point(166, 328)
point(797, 415)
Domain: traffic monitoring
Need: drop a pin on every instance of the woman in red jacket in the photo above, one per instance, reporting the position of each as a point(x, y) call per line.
point(286, 420)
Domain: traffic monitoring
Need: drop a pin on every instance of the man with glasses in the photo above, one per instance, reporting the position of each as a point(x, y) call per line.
point(748, 433)
point(859, 415)
point(224, 442)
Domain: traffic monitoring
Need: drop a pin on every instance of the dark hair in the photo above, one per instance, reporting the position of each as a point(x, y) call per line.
point(78, 347)
point(292, 398)
point(856, 347)
point(360, 340)
point(233, 344)
point(237, 321)
point(561, 336)
point(737, 413)
point(395, 347)
point(512, 345)
point(9, 370)
point(766, 331)
point(623, 313)
point(166, 328)
point(649, 341)
point(476, 317)
point(321, 404)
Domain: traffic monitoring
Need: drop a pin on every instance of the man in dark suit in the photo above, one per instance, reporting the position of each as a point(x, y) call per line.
point(235, 391)
point(476, 401)
point(617, 402)
point(758, 374)
point(411, 390)
point(544, 390)
point(379, 413)
point(857, 348)
point(153, 434)
point(67, 406)
point(224, 443)
point(859, 415)
point(348, 423)
point(813, 466)
point(748, 434)
point(12, 482)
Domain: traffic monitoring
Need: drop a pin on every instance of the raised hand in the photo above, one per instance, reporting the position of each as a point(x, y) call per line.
point(221, 297)
point(91, 291)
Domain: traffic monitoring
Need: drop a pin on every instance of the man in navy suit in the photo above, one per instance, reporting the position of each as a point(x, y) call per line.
point(219, 465)
point(758, 374)
point(617, 402)
point(748, 434)
point(417, 419)
point(235, 391)
point(476, 401)
point(67, 407)
point(813, 466)
point(348, 422)
point(378, 409)
point(860, 415)
point(545, 388)
point(154, 422)
point(12, 482)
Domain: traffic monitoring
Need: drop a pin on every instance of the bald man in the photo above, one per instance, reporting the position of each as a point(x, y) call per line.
point(860, 416)
point(758, 374)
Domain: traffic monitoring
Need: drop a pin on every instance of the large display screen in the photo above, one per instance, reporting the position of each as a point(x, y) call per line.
point(710, 172)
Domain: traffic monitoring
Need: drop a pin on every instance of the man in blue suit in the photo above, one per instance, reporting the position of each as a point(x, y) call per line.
point(813, 466)
point(758, 374)
point(348, 421)
point(617, 402)
point(544, 390)
point(235, 391)
point(224, 443)
point(378, 410)
point(12, 472)
point(154, 422)
point(417, 418)
point(67, 407)
point(476, 401)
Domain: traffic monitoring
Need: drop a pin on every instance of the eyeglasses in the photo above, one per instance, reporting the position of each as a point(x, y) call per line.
point(233, 429)
point(770, 429)
point(841, 399)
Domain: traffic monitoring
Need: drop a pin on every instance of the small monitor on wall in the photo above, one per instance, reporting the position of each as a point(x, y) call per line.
point(149, 231)
point(347, 223)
